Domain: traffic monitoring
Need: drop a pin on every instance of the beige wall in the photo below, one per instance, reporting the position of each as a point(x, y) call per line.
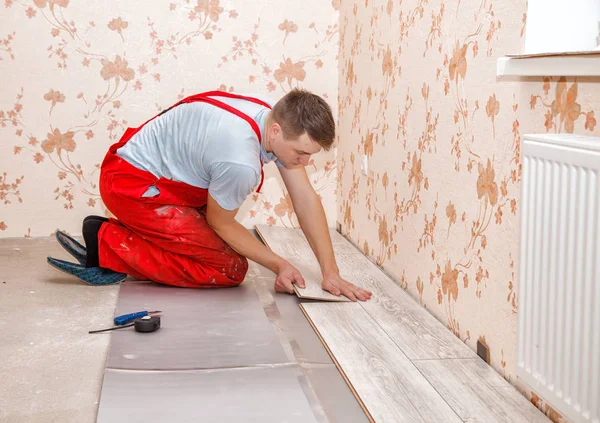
point(439, 209)
point(418, 95)
point(75, 74)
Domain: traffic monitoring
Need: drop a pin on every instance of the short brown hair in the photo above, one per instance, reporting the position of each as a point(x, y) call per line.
point(301, 111)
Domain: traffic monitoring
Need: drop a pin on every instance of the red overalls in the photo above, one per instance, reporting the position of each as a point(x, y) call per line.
point(165, 238)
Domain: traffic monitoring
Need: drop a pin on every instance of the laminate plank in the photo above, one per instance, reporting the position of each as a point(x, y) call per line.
point(337, 240)
point(285, 235)
point(414, 329)
point(478, 393)
point(277, 237)
point(200, 329)
point(231, 395)
point(343, 245)
point(418, 333)
point(288, 244)
point(388, 385)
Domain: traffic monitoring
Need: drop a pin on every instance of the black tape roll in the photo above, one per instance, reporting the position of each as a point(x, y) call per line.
point(147, 324)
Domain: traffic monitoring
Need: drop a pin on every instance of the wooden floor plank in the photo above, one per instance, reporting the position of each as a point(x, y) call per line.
point(388, 385)
point(288, 244)
point(419, 334)
point(399, 360)
point(337, 240)
point(478, 393)
point(416, 331)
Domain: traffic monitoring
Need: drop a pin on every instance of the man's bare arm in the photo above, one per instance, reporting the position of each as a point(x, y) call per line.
point(311, 216)
point(313, 222)
point(241, 240)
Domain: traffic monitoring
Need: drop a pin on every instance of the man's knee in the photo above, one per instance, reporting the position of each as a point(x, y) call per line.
point(238, 269)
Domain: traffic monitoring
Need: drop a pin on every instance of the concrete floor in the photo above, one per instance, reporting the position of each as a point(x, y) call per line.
point(51, 368)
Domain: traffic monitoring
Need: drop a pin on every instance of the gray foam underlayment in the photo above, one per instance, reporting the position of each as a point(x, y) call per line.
point(200, 329)
point(218, 357)
point(231, 395)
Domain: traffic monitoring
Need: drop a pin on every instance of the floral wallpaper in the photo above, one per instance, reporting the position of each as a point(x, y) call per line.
point(439, 206)
point(418, 96)
point(76, 74)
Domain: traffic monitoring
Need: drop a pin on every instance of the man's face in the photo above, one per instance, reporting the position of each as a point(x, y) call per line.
point(294, 152)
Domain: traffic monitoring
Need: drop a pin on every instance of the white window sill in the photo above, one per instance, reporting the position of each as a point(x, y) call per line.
point(565, 64)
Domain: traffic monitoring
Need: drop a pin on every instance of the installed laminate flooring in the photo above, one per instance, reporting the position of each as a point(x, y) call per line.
point(391, 388)
point(409, 325)
point(477, 392)
point(405, 321)
point(399, 360)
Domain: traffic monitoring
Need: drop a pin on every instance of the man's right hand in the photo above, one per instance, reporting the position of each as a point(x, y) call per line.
point(286, 277)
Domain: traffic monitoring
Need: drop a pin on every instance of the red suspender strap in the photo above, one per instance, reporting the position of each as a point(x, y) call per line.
point(235, 112)
point(207, 98)
point(231, 95)
point(247, 119)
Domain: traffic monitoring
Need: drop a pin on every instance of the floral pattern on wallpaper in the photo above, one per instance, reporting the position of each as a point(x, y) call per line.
point(102, 71)
point(439, 206)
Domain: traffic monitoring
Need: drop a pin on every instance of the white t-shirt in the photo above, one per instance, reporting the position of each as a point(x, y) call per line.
point(204, 146)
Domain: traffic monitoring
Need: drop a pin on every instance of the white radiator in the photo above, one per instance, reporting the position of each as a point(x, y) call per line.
point(559, 284)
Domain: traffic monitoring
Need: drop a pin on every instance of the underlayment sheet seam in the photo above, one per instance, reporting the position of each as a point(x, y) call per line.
point(206, 369)
point(271, 309)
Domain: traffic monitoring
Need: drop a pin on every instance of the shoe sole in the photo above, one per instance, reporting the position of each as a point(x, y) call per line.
point(85, 282)
point(71, 246)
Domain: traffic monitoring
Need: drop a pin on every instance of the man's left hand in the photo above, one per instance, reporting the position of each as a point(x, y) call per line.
point(337, 286)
